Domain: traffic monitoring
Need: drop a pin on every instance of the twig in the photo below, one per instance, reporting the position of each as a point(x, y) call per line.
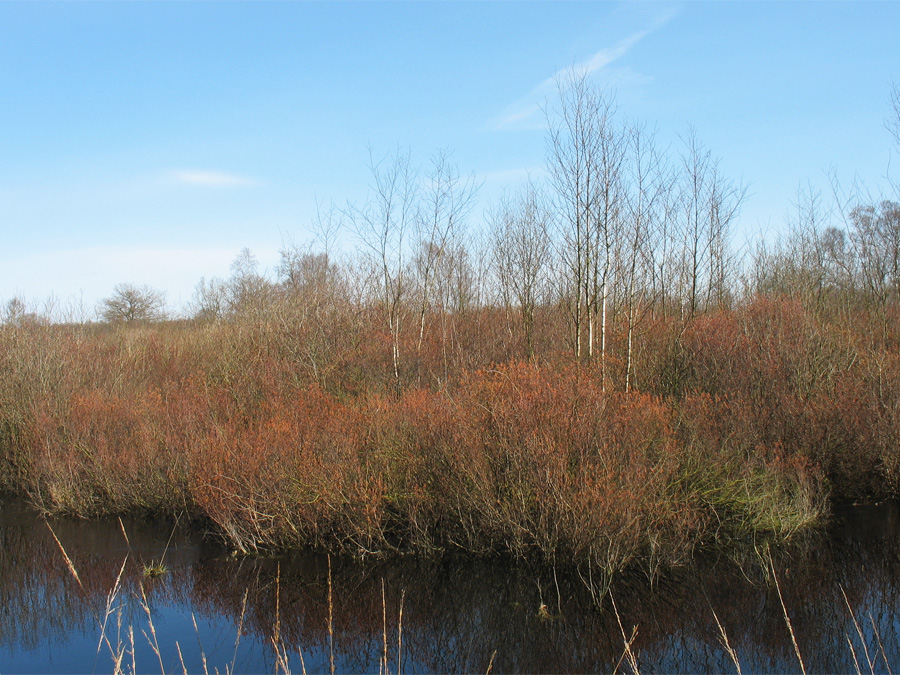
point(731, 653)
point(200, 643)
point(277, 635)
point(154, 643)
point(853, 654)
point(110, 599)
point(124, 534)
point(384, 657)
point(302, 662)
point(330, 620)
point(281, 657)
point(400, 634)
point(490, 663)
point(180, 658)
point(880, 644)
point(166, 549)
point(558, 594)
point(66, 556)
point(237, 639)
point(628, 654)
point(859, 632)
point(131, 641)
point(787, 619)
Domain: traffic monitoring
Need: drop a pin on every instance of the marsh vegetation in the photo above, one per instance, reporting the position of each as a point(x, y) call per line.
point(599, 381)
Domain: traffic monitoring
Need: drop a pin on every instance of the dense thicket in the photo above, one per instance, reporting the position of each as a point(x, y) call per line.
point(596, 377)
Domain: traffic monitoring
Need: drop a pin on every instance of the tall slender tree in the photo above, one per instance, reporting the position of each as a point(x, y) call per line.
point(383, 226)
point(584, 160)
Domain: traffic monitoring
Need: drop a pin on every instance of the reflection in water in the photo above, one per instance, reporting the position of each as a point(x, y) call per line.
point(456, 616)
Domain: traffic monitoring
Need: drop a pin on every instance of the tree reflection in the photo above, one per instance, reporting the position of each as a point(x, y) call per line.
point(459, 615)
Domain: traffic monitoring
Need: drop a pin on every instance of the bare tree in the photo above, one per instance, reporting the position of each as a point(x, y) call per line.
point(646, 207)
point(666, 244)
point(725, 201)
point(249, 292)
point(309, 272)
point(893, 121)
point(695, 264)
point(796, 264)
point(710, 203)
point(327, 226)
point(312, 276)
point(572, 163)
point(586, 151)
point(210, 301)
point(876, 238)
point(311, 312)
point(132, 304)
point(446, 200)
point(520, 228)
point(382, 225)
point(15, 311)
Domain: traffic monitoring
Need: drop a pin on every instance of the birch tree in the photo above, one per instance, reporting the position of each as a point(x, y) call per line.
point(382, 224)
point(710, 203)
point(445, 202)
point(585, 156)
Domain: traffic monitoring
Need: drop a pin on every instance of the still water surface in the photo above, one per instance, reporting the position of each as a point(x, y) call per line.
point(456, 617)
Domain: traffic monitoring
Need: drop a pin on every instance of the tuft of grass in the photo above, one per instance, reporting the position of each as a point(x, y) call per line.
point(153, 569)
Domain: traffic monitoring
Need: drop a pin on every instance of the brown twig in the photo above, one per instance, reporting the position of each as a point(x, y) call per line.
point(330, 620)
point(787, 619)
point(731, 653)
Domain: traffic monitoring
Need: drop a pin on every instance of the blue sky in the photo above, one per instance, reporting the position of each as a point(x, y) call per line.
point(149, 142)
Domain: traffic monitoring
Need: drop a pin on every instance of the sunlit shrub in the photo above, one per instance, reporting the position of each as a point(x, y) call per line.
point(281, 432)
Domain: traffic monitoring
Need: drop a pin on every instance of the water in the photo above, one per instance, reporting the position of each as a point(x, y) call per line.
point(456, 616)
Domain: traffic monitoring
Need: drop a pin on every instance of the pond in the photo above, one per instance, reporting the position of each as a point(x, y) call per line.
point(210, 611)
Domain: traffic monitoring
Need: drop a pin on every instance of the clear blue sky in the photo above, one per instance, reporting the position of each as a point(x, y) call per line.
point(149, 142)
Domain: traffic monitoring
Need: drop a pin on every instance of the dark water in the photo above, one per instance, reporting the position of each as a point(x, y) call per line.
point(456, 617)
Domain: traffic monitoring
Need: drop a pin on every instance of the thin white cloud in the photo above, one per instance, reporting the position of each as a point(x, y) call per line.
point(598, 61)
point(520, 113)
point(211, 178)
point(523, 114)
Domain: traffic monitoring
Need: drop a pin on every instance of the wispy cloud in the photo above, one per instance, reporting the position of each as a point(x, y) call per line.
point(602, 58)
point(218, 179)
point(523, 114)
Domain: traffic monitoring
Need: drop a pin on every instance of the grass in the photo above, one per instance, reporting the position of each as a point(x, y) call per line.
point(153, 570)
